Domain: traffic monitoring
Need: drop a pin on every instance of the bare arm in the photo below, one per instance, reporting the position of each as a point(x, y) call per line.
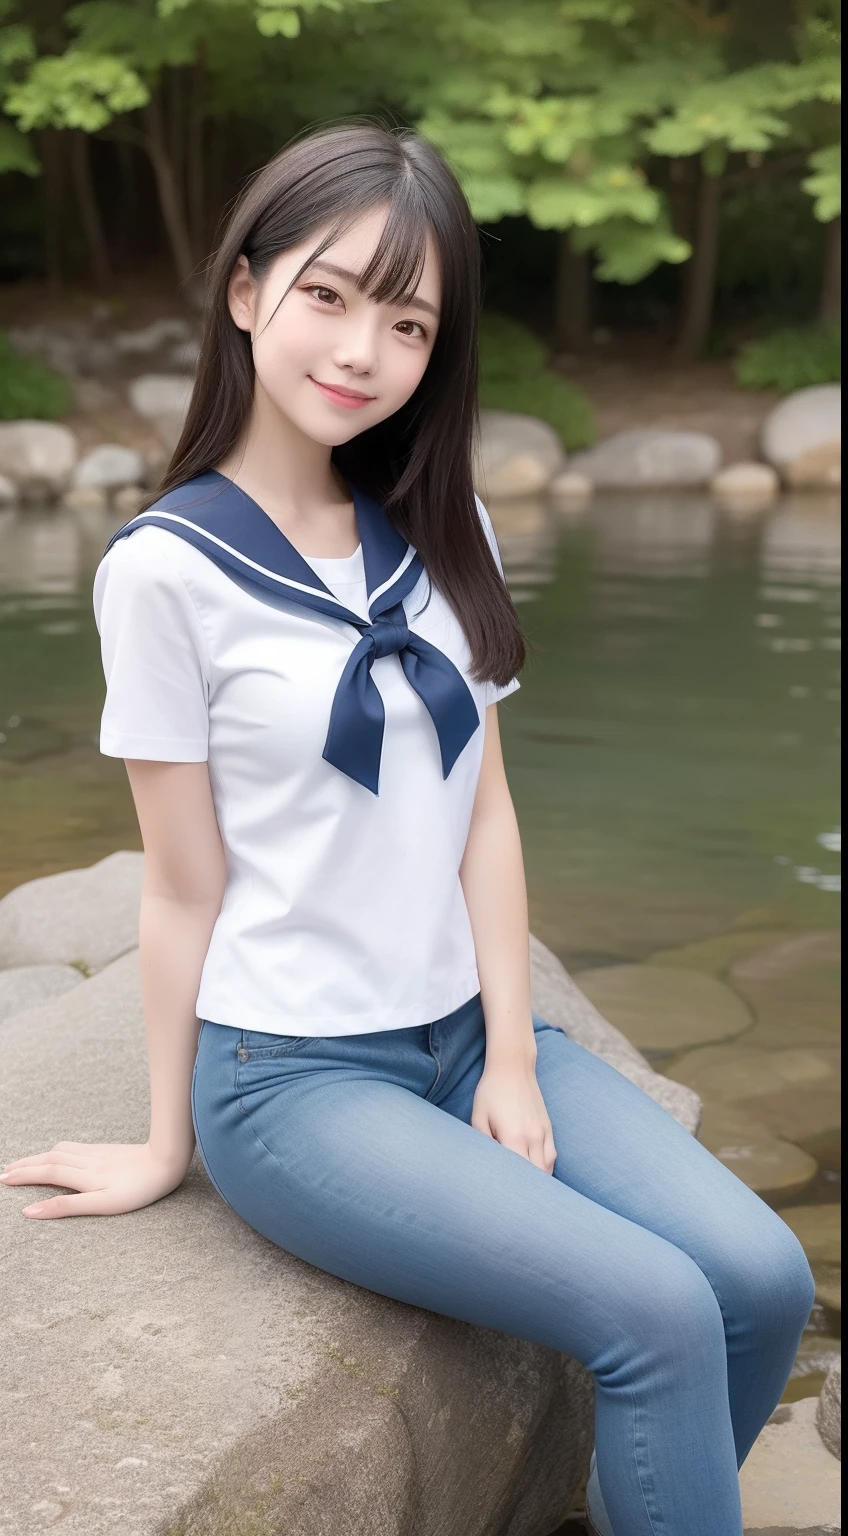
point(508, 1104)
point(184, 878)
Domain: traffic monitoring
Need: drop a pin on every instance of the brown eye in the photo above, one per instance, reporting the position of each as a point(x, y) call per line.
point(317, 288)
point(421, 328)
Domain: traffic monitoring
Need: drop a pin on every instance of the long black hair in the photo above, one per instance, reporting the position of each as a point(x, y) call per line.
point(418, 462)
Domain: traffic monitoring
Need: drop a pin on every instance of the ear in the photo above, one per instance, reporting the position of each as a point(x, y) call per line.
point(241, 295)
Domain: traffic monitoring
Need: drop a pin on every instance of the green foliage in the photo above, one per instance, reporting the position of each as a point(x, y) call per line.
point(514, 377)
point(28, 389)
point(825, 183)
point(791, 359)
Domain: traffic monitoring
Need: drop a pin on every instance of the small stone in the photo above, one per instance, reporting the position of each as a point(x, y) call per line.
point(818, 1229)
point(746, 487)
point(110, 466)
point(829, 1411)
point(773, 1168)
point(8, 491)
point(520, 476)
point(651, 456)
point(38, 456)
point(85, 498)
point(162, 399)
point(790, 1482)
point(662, 1009)
point(572, 486)
point(803, 422)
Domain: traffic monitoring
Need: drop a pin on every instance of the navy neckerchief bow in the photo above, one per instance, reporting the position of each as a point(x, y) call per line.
point(224, 523)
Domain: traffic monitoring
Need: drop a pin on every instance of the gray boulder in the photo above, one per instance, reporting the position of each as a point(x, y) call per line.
point(83, 917)
point(25, 986)
point(650, 456)
point(803, 430)
point(516, 455)
point(199, 1378)
point(829, 1410)
point(8, 492)
point(110, 466)
point(38, 456)
point(162, 399)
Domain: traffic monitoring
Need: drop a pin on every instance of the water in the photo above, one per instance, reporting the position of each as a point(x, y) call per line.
point(673, 750)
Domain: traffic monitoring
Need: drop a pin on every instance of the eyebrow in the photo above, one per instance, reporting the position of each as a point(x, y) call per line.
point(354, 277)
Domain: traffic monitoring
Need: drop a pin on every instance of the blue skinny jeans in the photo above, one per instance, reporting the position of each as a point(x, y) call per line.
point(642, 1256)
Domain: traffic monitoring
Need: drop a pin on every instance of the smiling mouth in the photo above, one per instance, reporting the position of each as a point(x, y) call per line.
point(342, 395)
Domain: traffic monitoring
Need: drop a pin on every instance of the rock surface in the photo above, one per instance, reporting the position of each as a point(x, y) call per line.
point(25, 986)
point(81, 916)
point(516, 456)
point(661, 1008)
point(799, 977)
point(561, 1001)
point(790, 1482)
point(8, 491)
point(38, 456)
point(110, 466)
point(775, 1169)
point(806, 421)
point(650, 456)
point(829, 1410)
point(201, 1379)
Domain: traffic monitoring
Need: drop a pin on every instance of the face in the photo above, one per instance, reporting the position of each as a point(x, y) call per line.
point(331, 359)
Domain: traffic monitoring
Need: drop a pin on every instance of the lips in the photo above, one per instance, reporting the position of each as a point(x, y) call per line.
point(349, 399)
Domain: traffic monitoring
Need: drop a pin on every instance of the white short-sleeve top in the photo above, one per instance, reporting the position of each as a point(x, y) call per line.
point(343, 911)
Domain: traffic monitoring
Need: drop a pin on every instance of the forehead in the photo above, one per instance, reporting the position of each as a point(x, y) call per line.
point(408, 261)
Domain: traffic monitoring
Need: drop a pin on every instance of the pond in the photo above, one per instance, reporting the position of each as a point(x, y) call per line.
point(674, 758)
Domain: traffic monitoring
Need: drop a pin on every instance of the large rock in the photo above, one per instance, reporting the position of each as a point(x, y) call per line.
point(746, 487)
point(82, 917)
point(110, 466)
point(829, 1411)
point(661, 1008)
point(171, 1369)
point(807, 422)
point(795, 1093)
point(25, 986)
point(516, 456)
point(38, 456)
point(790, 1483)
point(162, 399)
point(650, 456)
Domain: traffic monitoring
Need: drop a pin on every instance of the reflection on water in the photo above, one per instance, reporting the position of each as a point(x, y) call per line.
point(673, 749)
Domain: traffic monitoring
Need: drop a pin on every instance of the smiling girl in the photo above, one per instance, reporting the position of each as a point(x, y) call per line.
point(305, 636)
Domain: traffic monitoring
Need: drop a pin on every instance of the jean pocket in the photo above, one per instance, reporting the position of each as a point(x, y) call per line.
point(256, 1045)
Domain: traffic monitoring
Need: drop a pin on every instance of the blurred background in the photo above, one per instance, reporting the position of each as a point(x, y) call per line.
point(657, 189)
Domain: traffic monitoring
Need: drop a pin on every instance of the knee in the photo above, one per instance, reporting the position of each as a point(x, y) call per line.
point(770, 1281)
point(670, 1313)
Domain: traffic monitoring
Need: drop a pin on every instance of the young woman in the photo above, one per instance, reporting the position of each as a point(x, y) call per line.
point(305, 636)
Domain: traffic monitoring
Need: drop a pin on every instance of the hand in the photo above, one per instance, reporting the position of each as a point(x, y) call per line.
point(508, 1106)
point(112, 1179)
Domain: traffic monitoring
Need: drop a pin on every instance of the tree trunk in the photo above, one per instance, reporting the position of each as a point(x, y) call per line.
point(51, 151)
point(699, 273)
point(572, 297)
point(89, 211)
point(195, 179)
point(171, 202)
point(830, 299)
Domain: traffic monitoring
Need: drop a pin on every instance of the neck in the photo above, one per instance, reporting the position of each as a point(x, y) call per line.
point(293, 479)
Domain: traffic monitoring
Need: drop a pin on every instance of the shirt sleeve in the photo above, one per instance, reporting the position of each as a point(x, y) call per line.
point(154, 654)
point(494, 692)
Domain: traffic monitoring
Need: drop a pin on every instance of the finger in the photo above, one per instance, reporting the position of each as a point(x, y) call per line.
point(73, 1160)
point(50, 1173)
point(68, 1205)
point(536, 1153)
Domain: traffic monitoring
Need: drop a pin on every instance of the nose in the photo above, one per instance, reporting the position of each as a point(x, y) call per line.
point(356, 344)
